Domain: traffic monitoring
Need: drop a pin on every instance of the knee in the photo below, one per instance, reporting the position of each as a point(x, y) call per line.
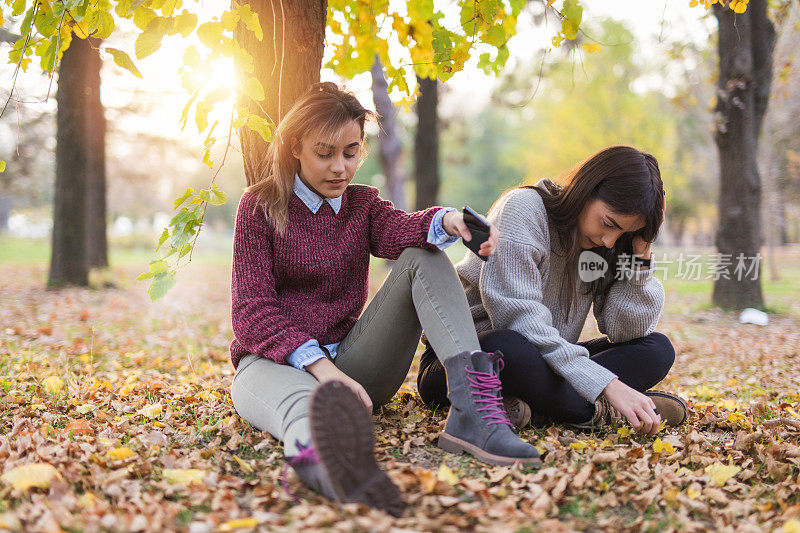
point(662, 351)
point(512, 344)
point(422, 257)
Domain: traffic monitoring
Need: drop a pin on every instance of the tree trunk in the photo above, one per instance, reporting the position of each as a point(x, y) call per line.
point(390, 147)
point(287, 62)
point(426, 144)
point(5, 211)
point(745, 62)
point(97, 242)
point(68, 263)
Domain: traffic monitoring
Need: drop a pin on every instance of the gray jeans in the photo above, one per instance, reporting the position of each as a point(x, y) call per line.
point(422, 291)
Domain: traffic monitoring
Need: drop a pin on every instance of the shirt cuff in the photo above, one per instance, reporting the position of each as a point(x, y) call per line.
point(437, 234)
point(305, 354)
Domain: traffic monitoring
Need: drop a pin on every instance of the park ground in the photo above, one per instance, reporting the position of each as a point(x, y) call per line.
point(115, 415)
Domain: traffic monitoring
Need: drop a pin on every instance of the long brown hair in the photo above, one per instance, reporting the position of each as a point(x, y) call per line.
point(626, 179)
point(325, 109)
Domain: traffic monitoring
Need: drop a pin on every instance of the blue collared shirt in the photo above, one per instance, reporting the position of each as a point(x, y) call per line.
point(311, 351)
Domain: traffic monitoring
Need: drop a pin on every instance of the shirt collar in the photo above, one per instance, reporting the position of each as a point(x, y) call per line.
point(312, 199)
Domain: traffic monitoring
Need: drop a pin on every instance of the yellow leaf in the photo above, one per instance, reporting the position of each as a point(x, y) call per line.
point(591, 47)
point(624, 432)
point(446, 475)
point(151, 410)
point(661, 426)
point(693, 494)
point(8, 520)
point(244, 465)
point(792, 412)
point(254, 89)
point(87, 499)
point(260, 126)
point(185, 23)
point(577, 445)
point(121, 453)
point(231, 525)
point(735, 417)
point(719, 474)
point(682, 471)
point(31, 475)
point(791, 526)
point(2, 163)
point(663, 447)
point(53, 384)
point(606, 443)
point(180, 476)
point(122, 59)
point(250, 20)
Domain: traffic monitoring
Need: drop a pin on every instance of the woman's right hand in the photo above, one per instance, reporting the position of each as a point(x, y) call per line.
point(635, 406)
point(324, 370)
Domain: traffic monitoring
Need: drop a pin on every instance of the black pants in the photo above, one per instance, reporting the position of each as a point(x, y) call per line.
point(639, 363)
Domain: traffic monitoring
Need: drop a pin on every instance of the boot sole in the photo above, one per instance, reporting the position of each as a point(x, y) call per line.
point(457, 446)
point(344, 435)
point(671, 397)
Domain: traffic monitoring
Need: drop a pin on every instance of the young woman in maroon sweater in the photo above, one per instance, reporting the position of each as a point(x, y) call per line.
point(309, 364)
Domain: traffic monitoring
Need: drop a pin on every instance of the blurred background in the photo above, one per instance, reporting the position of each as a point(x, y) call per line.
point(650, 83)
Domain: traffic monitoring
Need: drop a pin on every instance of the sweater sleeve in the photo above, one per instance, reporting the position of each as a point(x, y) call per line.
point(392, 230)
point(511, 291)
point(258, 323)
point(633, 305)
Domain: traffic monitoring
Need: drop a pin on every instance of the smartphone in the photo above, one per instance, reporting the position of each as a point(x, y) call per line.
point(479, 229)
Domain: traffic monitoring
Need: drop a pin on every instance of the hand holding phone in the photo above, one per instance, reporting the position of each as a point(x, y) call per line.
point(479, 229)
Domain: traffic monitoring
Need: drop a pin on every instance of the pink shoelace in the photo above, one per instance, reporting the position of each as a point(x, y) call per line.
point(307, 455)
point(486, 383)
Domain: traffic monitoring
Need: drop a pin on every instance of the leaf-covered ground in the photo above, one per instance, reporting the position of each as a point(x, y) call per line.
point(115, 415)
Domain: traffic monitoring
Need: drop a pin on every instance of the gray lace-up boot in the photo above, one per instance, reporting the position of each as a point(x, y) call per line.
point(340, 461)
point(477, 422)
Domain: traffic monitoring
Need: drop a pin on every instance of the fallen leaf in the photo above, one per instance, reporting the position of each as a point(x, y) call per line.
point(121, 453)
point(244, 465)
point(183, 476)
point(10, 522)
point(719, 474)
point(80, 426)
point(238, 523)
point(53, 384)
point(446, 475)
point(660, 446)
point(151, 410)
point(791, 526)
point(31, 475)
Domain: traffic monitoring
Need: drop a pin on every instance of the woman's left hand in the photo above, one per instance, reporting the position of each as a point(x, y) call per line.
point(453, 223)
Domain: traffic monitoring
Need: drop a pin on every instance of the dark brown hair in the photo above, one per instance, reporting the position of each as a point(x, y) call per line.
point(325, 109)
point(623, 177)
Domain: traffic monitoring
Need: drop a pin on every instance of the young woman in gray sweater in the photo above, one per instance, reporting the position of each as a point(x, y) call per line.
point(562, 250)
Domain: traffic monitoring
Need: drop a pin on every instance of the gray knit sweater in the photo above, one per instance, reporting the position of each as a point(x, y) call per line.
point(518, 288)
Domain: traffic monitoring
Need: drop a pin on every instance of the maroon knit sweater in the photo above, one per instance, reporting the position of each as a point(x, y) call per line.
point(311, 282)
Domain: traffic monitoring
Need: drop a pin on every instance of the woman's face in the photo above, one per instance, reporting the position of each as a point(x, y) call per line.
point(328, 168)
point(598, 225)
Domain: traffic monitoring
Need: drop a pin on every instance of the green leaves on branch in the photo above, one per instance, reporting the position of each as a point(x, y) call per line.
point(178, 238)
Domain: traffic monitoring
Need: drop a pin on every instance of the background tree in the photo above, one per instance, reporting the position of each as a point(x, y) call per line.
point(69, 264)
point(746, 40)
point(389, 145)
point(426, 144)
